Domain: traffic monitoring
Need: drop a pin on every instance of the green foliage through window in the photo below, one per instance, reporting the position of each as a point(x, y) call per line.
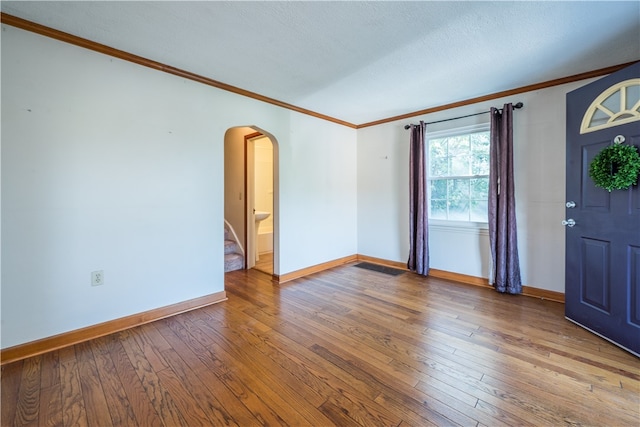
point(458, 176)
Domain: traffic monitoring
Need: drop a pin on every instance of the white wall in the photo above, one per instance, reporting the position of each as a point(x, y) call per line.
point(539, 138)
point(321, 215)
point(107, 165)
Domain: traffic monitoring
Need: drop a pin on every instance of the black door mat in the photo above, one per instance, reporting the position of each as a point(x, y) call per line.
point(380, 268)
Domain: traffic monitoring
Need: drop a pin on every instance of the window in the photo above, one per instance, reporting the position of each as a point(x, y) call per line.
point(617, 105)
point(458, 174)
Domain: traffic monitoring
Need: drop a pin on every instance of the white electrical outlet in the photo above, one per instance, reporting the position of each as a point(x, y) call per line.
point(97, 278)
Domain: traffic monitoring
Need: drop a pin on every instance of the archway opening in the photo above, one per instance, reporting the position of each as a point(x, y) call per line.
point(251, 197)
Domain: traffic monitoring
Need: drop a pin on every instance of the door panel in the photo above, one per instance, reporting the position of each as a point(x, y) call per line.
point(592, 199)
point(595, 271)
point(602, 262)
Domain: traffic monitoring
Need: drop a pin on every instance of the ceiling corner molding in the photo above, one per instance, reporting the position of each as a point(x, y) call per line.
point(505, 93)
point(126, 56)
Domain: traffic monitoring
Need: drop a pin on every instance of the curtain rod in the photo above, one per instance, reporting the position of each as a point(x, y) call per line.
point(515, 107)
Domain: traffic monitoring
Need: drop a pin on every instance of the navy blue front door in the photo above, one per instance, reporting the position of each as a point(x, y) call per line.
point(602, 279)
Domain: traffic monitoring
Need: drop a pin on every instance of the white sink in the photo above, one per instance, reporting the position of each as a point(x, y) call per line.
point(261, 216)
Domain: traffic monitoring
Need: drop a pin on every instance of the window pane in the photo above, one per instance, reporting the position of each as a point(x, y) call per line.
point(459, 145)
point(633, 96)
point(480, 153)
point(459, 210)
point(480, 141)
point(612, 103)
point(439, 166)
point(460, 165)
point(479, 188)
point(439, 189)
point(438, 209)
point(599, 118)
point(438, 157)
point(479, 209)
point(480, 164)
point(438, 147)
point(458, 189)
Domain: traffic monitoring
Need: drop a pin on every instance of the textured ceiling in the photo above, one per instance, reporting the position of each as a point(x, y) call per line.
point(359, 61)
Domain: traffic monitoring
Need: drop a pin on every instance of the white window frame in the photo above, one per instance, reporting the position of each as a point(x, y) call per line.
point(448, 224)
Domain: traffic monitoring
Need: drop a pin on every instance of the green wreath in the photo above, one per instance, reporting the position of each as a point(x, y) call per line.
point(616, 167)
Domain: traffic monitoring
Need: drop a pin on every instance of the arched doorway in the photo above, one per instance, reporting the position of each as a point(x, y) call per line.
point(251, 196)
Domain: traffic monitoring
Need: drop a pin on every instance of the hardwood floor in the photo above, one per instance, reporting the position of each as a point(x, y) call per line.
point(347, 347)
point(265, 263)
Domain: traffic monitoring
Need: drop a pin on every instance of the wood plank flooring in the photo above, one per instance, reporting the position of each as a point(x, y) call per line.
point(265, 263)
point(347, 347)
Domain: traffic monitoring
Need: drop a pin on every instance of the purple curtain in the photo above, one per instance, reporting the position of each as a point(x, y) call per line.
point(502, 204)
point(418, 224)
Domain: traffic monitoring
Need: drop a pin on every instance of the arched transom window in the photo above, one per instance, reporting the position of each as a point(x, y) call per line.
point(615, 106)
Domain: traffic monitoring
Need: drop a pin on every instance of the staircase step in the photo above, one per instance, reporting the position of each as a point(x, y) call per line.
point(226, 234)
point(233, 262)
point(230, 247)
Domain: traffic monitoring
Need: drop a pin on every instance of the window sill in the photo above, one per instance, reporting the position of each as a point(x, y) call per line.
point(481, 228)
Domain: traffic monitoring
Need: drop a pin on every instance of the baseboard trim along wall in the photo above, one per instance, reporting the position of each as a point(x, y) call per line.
point(34, 348)
point(56, 342)
point(386, 262)
point(314, 269)
point(543, 294)
point(469, 280)
point(480, 281)
point(440, 274)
